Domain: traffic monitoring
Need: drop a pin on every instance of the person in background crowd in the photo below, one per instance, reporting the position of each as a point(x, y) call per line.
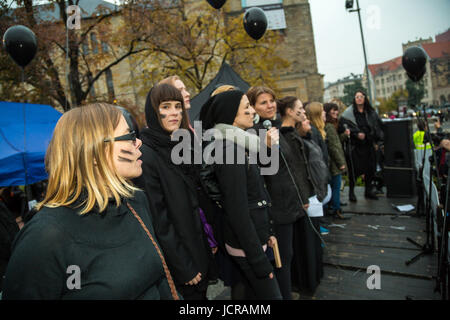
point(365, 135)
point(244, 199)
point(340, 104)
point(92, 222)
point(9, 227)
point(419, 136)
point(177, 83)
point(172, 194)
point(337, 157)
point(307, 267)
point(316, 115)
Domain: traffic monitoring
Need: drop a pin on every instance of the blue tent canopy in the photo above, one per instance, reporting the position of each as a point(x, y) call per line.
point(25, 132)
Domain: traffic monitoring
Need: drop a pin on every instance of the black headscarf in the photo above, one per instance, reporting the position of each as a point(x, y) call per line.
point(222, 108)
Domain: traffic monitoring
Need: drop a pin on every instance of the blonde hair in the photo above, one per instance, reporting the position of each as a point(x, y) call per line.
point(314, 112)
point(170, 80)
point(225, 87)
point(79, 162)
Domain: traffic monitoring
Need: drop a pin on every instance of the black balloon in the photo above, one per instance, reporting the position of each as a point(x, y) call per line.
point(255, 22)
point(217, 4)
point(414, 61)
point(20, 43)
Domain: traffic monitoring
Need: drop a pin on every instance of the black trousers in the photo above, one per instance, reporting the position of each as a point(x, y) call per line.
point(257, 288)
point(362, 161)
point(284, 234)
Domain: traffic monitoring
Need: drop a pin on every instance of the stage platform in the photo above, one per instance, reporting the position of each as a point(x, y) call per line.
point(375, 235)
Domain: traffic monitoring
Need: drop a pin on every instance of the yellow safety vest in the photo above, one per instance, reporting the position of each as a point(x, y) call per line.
point(418, 140)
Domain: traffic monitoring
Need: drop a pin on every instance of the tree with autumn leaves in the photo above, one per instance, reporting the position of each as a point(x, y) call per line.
point(156, 38)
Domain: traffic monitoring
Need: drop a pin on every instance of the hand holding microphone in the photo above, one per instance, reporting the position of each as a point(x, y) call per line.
point(347, 130)
point(272, 135)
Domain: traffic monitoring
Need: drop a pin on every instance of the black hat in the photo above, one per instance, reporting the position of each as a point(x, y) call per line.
point(221, 108)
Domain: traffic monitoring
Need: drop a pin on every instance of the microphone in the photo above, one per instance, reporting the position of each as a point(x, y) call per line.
point(268, 125)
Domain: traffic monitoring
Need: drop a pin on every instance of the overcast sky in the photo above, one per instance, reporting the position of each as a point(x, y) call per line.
point(386, 25)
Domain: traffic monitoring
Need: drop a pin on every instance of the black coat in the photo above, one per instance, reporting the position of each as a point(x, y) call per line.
point(115, 256)
point(172, 195)
point(299, 162)
point(246, 206)
point(360, 154)
point(283, 186)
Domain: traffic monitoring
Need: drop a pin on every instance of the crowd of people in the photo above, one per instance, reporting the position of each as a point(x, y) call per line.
point(136, 225)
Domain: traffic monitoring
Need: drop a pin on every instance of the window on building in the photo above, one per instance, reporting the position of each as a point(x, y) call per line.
point(94, 43)
point(110, 84)
point(382, 81)
point(85, 47)
point(105, 47)
point(393, 77)
point(384, 91)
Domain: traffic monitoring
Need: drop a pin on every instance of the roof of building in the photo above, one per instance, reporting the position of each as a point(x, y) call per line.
point(390, 65)
point(437, 50)
point(443, 37)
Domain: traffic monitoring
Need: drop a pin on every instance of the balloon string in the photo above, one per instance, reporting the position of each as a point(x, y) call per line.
point(24, 154)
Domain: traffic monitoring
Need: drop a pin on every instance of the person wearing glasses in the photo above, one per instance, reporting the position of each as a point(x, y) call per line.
point(172, 193)
point(92, 237)
point(365, 135)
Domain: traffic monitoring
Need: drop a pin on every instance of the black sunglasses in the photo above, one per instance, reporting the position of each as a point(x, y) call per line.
point(129, 136)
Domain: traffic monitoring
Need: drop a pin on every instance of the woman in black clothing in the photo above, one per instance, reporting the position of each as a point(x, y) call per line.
point(288, 190)
point(365, 134)
point(92, 237)
point(172, 193)
point(245, 201)
point(307, 269)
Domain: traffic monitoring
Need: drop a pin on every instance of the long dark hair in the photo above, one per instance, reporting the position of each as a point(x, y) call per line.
point(329, 107)
point(285, 103)
point(367, 105)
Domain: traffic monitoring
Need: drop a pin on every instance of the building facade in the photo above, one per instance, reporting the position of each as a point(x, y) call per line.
point(302, 78)
point(390, 76)
point(336, 89)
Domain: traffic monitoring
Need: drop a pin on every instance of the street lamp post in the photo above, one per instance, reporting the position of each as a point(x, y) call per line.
point(349, 5)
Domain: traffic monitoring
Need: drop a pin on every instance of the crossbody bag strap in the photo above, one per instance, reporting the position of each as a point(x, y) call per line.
point(166, 269)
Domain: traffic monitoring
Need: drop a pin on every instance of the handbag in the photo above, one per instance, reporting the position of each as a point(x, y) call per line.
point(166, 269)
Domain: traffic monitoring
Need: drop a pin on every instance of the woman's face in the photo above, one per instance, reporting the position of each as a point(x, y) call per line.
point(126, 153)
point(245, 114)
point(171, 114)
point(297, 113)
point(359, 98)
point(186, 96)
point(334, 113)
point(304, 126)
point(266, 106)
